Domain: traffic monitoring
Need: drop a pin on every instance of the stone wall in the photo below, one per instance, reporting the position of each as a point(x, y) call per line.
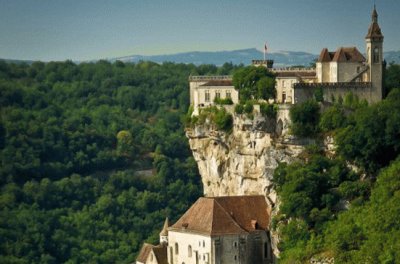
point(363, 90)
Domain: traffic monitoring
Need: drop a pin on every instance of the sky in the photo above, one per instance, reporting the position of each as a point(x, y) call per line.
point(98, 29)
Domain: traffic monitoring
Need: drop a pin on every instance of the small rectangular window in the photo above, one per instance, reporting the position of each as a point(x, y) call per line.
point(207, 96)
point(218, 94)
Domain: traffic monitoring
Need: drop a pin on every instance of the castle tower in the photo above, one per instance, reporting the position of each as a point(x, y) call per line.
point(164, 233)
point(374, 42)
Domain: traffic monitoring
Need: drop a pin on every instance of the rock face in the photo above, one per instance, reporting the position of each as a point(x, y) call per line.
point(243, 161)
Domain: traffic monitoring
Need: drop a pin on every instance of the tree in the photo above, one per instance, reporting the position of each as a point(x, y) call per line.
point(254, 83)
point(305, 117)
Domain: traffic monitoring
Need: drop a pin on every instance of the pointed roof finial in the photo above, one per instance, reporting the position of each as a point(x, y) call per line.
point(164, 231)
point(374, 15)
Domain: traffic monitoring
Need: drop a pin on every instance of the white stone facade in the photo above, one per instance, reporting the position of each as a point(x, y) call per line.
point(204, 90)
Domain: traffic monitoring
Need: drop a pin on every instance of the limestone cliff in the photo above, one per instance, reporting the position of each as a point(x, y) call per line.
point(243, 161)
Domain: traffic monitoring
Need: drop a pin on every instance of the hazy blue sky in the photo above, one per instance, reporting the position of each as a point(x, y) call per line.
point(94, 29)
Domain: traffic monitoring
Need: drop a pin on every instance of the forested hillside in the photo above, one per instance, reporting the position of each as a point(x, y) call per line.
point(344, 205)
point(93, 158)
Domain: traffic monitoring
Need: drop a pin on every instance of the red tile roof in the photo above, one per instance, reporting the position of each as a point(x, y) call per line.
point(341, 55)
point(144, 252)
point(225, 215)
point(159, 251)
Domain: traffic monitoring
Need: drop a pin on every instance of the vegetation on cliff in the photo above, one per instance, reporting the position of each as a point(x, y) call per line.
point(329, 210)
point(93, 158)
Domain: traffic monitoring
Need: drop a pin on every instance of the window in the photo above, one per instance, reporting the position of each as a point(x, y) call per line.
point(217, 94)
point(207, 96)
point(376, 55)
point(171, 258)
point(176, 249)
point(284, 97)
point(189, 251)
point(228, 94)
point(151, 257)
point(204, 244)
point(235, 244)
point(235, 258)
point(266, 250)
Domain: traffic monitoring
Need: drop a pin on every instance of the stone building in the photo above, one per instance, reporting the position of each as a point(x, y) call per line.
point(347, 70)
point(151, 254)
point(337, 74)
point(204, 90)
point(286, 78)
point(218, 230)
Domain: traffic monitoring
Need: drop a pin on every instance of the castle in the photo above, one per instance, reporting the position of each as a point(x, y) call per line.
point(235, 229)
point(337, 73)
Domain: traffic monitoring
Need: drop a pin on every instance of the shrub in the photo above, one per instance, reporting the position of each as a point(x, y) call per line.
point(305, 118)
point(224, 101)
point(248, 108)
point(239, 108)
point(223, 120)
point(268, 110)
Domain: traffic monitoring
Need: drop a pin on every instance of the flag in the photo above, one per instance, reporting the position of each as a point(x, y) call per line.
point(265, 47)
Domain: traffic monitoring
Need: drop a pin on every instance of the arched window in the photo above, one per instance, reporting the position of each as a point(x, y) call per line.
point(189, 251)
point(176, 249)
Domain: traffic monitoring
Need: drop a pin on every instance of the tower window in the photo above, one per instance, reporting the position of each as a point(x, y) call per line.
point(228, 94)
point(176, 249)
point(376, 55)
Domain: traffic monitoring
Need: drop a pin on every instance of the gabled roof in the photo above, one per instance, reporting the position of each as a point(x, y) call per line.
point(144, 252)
point(159, 251)
point(350, 54)
point(325, 55)
point(225, 215)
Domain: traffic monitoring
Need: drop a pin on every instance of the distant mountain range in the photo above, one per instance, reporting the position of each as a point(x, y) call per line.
point(245, 56)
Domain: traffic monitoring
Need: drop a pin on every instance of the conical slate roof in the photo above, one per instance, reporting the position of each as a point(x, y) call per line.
point(374, 30)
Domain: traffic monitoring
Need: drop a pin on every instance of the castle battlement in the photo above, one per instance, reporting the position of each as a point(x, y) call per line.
point(338, 85)
point(195, 78)
point(293, 69)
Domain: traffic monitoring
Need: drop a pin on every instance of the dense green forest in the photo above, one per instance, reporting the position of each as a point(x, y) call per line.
point(93, 158)
point(344, 205)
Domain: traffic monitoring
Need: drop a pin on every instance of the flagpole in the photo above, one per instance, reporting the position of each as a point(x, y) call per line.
point(264, 51)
